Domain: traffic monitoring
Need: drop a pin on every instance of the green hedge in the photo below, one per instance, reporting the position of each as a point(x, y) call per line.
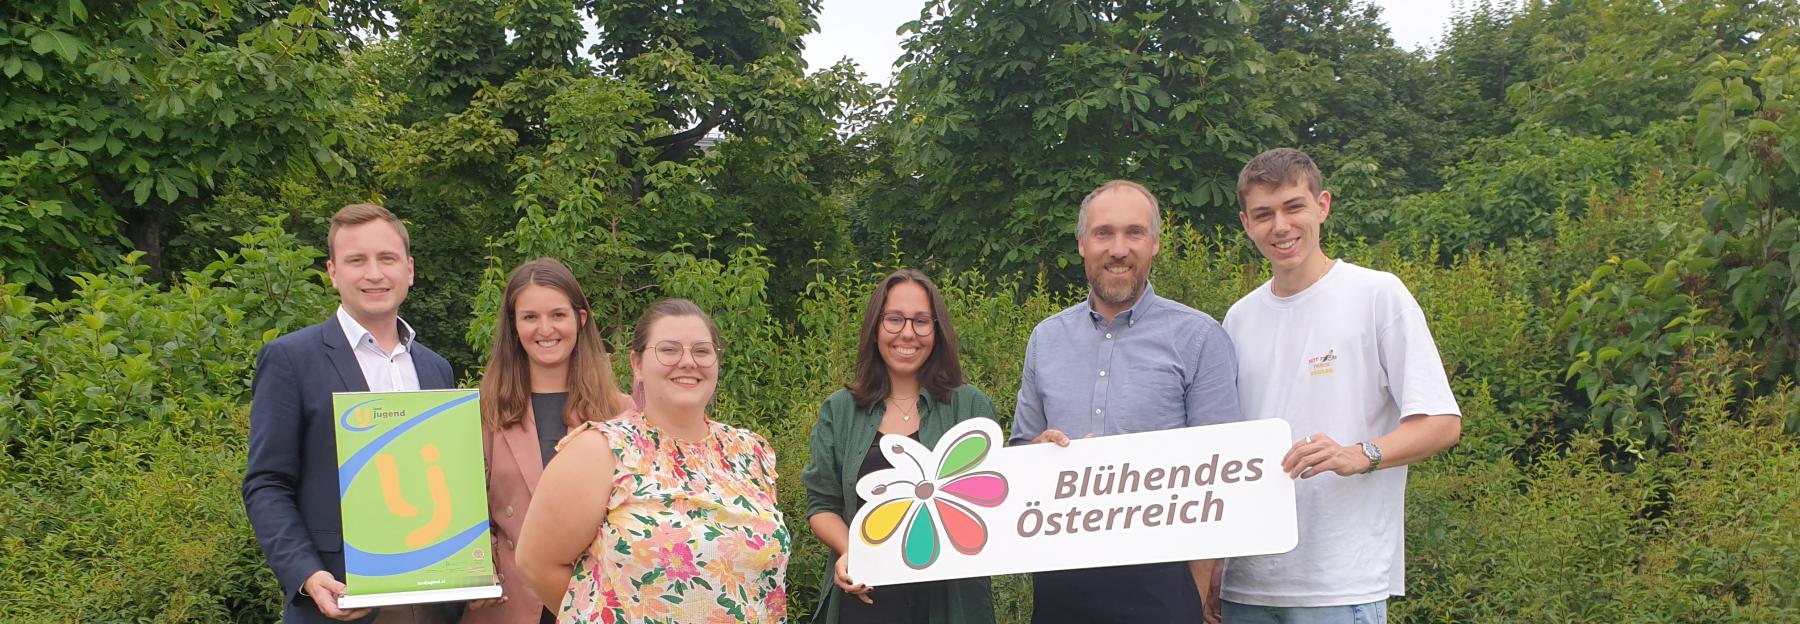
point(122, 426)
point(1708, 534)
point(122, 434)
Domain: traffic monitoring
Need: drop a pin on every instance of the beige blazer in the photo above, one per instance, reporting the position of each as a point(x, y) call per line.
point(514, 466)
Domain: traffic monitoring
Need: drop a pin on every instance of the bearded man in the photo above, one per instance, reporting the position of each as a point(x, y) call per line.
point(1124, 361)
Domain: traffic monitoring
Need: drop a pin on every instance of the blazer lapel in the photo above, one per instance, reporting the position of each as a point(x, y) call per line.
point(431, 377)
point(337, 349)
point(522, 444)
point(442, 374)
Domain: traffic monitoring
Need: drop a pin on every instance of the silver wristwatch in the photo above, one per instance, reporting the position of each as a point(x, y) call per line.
point(1374, 454)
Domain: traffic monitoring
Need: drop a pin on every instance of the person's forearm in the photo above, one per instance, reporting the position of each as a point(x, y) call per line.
point(1207, 573)
point(1203, 571)
point(550, 583)
point(831, 531)
point(1417, 438)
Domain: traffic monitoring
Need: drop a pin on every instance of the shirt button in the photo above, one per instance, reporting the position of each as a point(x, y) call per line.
point(501, 578)
point(509, 545)
point(509, 511)
point(1102, 373)
point(1109, 336)
point(1096, 411)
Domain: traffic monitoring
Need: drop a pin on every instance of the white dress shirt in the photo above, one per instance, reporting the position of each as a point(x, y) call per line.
point(384, 371)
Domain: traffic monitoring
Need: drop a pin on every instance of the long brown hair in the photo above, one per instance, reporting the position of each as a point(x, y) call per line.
point(942, 371)
point(506, 384)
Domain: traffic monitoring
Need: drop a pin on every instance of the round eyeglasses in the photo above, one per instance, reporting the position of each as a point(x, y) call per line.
point(922, 325)
point(669, 353)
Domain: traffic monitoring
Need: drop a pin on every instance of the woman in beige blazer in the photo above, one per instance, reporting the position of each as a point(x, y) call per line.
point(547, 373)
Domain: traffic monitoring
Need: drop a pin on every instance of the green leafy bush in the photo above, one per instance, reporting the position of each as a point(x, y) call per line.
point(1747, 135)
point(122, 439)
point(1626, 326)
point(1511, 186)
point(1701, 535)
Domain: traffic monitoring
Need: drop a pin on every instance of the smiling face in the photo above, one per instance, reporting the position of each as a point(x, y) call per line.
point(1118, 247)
point(371, 271)
point(905, 352)
point(547, 325)
point(1284, 222)
point(685, 385)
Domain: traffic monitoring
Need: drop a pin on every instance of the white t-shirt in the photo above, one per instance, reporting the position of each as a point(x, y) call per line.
point(1348, 357)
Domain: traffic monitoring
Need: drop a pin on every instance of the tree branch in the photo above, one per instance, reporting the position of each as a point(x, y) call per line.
point(674, 144)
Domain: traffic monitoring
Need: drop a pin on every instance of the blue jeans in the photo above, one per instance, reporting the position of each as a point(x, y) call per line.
point(1371, 613)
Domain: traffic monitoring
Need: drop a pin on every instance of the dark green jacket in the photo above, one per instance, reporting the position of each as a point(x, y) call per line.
point(840, 440)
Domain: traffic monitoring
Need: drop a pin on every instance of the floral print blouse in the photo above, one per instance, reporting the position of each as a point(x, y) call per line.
point(692, 533)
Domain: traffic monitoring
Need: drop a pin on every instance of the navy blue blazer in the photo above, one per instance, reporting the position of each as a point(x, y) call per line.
point(290, 485)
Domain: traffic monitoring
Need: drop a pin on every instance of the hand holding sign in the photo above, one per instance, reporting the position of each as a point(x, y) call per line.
point(1318, 454)
point(1053, 436)
point(1176, 495)
point(844, 582)
point(325, 592)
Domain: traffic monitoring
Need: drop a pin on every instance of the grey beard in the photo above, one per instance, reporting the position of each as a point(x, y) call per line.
point(1118, 296)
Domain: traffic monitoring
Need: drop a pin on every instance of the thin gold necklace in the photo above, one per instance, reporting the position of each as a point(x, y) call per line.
point(905, 417)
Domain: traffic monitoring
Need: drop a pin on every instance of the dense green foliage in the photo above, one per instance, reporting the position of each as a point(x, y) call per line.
point(1007, 113)
point(124, 429)
point(121, 119)
point(1593, 200)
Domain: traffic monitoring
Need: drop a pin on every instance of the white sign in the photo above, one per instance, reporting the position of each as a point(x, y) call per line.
point(973, 508)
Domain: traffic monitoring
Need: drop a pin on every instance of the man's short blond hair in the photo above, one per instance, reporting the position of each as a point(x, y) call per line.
point(358, 214)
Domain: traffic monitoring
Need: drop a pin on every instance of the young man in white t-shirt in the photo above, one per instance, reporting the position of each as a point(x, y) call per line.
point(1342, 353)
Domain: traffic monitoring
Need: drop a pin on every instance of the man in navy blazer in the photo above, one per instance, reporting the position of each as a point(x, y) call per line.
point(290, 484)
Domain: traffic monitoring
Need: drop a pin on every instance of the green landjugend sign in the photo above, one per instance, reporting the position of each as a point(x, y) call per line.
point(414, 492)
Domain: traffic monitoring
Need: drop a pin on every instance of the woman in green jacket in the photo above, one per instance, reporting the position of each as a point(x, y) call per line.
point(908, 382)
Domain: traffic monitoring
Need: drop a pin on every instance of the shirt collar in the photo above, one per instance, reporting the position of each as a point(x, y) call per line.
point(1129, 315)
point(924, 393)
point(925, 399)
point(355, 332)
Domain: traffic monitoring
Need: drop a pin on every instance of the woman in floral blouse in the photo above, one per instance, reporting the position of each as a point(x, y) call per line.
point(685, 527)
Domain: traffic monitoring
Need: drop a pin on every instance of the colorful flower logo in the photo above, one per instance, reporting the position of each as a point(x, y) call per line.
point(925, 502)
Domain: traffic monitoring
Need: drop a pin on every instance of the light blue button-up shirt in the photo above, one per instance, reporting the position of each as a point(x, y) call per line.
point(1159, 365)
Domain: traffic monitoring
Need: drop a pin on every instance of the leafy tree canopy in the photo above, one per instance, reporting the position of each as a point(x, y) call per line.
point(1007, 113)
point(121, 116)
